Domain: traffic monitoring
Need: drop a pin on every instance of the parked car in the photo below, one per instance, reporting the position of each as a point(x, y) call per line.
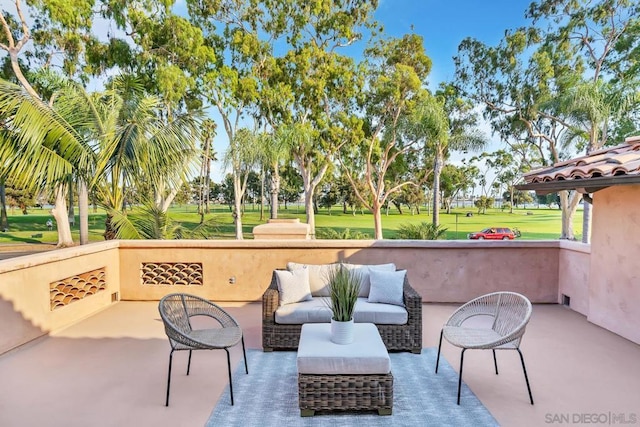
point(495, 233)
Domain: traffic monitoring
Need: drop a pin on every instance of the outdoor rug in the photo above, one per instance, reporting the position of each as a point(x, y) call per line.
point(268, 396)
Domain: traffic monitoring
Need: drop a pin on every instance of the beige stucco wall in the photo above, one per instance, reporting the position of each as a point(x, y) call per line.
point(451, 271)
point(614, 292)
point(573, 278)
point(25, 308)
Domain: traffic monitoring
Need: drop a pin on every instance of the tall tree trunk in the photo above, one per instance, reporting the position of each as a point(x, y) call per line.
point(308, 209)
point(237, 205)
point(71, 207)
point(262, 198)
point(586, 222)
point(437, 171)
point(568, 205)
point(60, 214)
point(376, 209)
point(83, 211)
point(274, 191)
point(4, 218)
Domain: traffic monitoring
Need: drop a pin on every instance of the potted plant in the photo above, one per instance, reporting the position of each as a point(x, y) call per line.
point(344, 286)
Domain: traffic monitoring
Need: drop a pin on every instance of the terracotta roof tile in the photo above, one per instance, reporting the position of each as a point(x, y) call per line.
point(621, 160)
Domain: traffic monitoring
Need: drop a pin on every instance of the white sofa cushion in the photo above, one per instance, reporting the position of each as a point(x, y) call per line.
point(314, 311)
point(387, 287)
point(318, 276)
point(317, 311)
point(364, 271)
point(380, 314)
point(293, 286)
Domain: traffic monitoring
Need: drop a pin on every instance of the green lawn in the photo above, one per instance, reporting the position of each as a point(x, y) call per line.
point(539, 224)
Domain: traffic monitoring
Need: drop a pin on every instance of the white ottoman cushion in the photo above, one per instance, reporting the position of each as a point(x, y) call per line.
point(318, 355)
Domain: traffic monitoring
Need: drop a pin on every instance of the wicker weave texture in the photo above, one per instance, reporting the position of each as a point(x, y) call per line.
point(176, 309)
point(345, 392)
point(407, 337)
point(510, 312)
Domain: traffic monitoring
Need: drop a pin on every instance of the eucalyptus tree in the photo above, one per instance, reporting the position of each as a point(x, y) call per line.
point(242, 156)
point(397, 69)
point(274, 152)
point(531, 67)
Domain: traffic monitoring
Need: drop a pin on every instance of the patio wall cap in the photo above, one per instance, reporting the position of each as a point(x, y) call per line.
point(54, 255)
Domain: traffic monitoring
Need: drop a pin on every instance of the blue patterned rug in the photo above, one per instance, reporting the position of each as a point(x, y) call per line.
point(268, 396)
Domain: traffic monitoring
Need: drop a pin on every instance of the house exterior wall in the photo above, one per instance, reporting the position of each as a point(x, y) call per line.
point(614, 291)
point(574, 275)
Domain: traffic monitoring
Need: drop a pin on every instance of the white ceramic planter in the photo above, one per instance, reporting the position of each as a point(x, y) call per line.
point(342, 332)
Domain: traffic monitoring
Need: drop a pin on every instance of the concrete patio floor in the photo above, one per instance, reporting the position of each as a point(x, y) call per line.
point(110, 370)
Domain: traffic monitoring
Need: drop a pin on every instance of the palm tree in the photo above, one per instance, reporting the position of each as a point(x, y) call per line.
point(273, 151)
point(138, 145)
point(40, 145)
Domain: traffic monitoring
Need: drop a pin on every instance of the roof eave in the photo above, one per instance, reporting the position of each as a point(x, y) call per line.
point(587, 186)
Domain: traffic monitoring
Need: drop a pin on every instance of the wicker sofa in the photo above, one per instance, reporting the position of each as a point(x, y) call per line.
point(396, 337)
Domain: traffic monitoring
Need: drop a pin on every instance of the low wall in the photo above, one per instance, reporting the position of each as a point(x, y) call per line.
point(441, 271)
point(45, 292)
point(48, 291)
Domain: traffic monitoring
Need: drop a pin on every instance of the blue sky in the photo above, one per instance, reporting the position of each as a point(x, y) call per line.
point(444, 24)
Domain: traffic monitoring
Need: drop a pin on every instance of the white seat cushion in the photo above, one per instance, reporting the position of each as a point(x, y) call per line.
point(318, 355)
point(380, 314)
point(314, 311)
point(317, 311)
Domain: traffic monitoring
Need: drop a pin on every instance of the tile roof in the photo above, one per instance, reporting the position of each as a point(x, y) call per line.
point(599, 169)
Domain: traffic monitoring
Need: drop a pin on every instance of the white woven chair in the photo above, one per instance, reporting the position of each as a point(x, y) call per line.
point(509, 313)
point(177, 310)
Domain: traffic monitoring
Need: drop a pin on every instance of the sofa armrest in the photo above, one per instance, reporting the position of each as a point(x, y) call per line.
point(413, 303)
point(270, 301)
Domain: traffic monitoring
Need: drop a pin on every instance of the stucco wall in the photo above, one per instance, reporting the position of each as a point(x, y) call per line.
point(614, 293)
point(452, 271)
point(25, 306)
point(574, 275)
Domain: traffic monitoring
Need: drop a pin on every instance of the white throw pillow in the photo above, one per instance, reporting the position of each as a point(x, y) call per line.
point(387, 286)
point(318, 276)
point(364, 271)
point(293, 285)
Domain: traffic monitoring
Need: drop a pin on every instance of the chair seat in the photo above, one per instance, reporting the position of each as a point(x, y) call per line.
point(473, 338)
point(215, 338)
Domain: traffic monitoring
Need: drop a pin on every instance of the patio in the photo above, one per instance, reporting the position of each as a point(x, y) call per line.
point(110, 369)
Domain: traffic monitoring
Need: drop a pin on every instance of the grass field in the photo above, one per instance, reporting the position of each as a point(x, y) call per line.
point(534, 223)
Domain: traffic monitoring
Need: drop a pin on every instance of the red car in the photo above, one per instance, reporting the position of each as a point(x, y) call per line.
point(493, 233)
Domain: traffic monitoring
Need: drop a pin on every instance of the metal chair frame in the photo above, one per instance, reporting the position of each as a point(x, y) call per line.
point(510, 312)
point(176, 311)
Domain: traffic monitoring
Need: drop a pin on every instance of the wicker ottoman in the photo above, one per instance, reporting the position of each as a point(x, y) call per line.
point(351, 377)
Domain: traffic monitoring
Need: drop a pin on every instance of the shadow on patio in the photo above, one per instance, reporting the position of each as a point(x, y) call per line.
point(110, 369)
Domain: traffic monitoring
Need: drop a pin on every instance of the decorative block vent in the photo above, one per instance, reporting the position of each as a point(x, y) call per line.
point(74, 288)
point(172, 273)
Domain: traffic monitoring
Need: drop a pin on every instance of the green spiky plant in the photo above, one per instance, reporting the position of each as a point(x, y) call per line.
point(344, 286)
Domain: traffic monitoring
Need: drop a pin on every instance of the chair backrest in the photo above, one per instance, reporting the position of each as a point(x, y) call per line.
point(513, 312)
point(175, 316)
point(510, 312)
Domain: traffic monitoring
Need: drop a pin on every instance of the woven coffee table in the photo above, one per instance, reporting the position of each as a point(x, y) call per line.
point(352, 377)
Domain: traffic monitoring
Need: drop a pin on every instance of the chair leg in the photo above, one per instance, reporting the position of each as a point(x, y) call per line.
point(495, 361)
point(526, 378)
point(460, 376)
point(189, 363)
point(439, 346)
point(229, 368)
point(244, 353)
point(169, 378)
